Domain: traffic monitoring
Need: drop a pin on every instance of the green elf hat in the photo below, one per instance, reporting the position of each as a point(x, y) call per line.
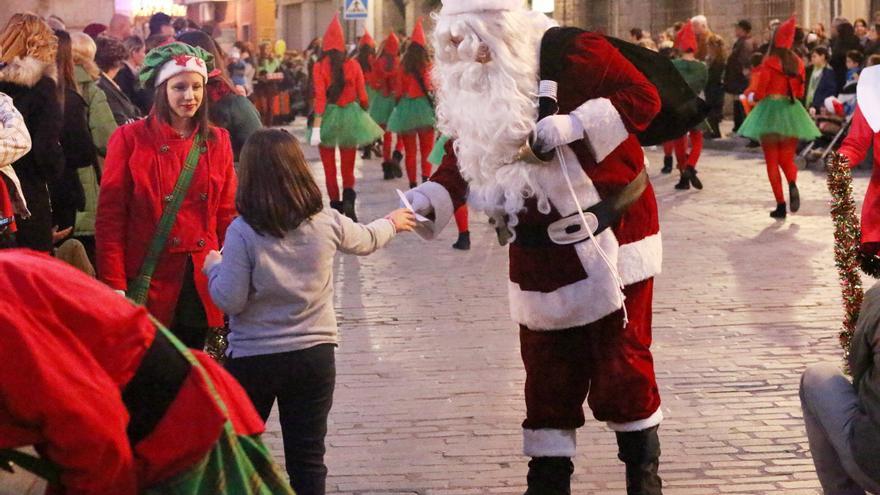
point(166, 61)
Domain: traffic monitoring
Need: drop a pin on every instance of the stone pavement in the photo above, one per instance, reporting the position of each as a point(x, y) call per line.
point(429, 387)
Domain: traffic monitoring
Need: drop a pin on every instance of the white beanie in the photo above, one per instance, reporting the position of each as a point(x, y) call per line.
point(452, 7)
point(179, 64)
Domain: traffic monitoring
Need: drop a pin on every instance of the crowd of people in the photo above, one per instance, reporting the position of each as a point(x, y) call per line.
point(150, 165)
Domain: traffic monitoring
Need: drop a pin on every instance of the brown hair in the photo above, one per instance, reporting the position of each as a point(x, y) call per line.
point(163, 110)
point(64, 63)
point(789, 61)
point(415, 59)
point(276, 191)
point(110, 53)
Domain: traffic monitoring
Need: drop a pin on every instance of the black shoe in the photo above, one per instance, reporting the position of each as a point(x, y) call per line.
point(425, 178)
point(387, 170)
point(413, 185)
point(397, 159)
point(691, 174)
point(464, 241)
point(779, 212)
point(753, 144)
point(667, 165)
point(336, 205)
point(683, 182)
point(794, 197)
point(550, 476)
point(367, 153)
point(640, 451)
point(348, 200)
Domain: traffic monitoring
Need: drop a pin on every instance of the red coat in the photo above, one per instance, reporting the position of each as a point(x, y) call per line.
point(143, 162)
point(855, 147)
point(554, 287)
point(772, 80)
point(355, 86)
point(79, 353)
point(407, 86)
point(383, 76)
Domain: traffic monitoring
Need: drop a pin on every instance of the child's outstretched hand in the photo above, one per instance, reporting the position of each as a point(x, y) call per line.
point(403, 219)
point(212, 259)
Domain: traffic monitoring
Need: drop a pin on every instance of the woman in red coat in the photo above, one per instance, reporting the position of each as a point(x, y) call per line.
point(413, 117)
point(779, 120)
point(144, 161)
point(340, 102)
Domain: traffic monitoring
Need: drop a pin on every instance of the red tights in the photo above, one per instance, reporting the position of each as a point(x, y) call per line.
point(386, 144)
point(779, 152)
point(328, 158)
point(461, 218)
point(682, 157)
point(425, 143)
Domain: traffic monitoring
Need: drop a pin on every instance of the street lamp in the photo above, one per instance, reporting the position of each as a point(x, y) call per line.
point(545, 6)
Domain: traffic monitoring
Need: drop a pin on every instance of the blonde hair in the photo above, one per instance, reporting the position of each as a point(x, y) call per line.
point(84, 49)
point(28, 35)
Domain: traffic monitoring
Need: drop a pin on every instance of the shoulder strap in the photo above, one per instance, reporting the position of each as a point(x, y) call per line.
point(139, 288)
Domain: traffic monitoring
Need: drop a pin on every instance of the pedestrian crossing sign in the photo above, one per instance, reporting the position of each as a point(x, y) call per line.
point(355, 9)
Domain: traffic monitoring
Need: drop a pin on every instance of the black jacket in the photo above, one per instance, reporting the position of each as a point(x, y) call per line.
point(735, 82)
point(124, 111)
point(79, 150)
point(130, 84)
point(32, 90)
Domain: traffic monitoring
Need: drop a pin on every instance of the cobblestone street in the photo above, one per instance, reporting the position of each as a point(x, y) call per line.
point(429, 396)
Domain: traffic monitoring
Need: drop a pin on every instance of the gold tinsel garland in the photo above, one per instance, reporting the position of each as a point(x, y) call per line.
point(847, 238)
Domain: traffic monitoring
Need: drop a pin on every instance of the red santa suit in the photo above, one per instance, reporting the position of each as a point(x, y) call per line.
point(88, 399)
point(564, 297)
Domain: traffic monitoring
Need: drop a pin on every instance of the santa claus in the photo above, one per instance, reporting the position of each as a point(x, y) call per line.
point(582, 227)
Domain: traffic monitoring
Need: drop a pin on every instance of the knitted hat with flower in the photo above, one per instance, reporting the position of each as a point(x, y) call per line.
point(167, 61)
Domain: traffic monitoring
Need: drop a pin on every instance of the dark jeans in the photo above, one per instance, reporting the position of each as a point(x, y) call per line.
point(739, 114)
point(303, 382)
point(190, 323)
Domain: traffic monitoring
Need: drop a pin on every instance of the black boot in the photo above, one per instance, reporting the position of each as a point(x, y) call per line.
point(640, 451)
point(550, 476)
point(336, 205)
point(691, 174)
point(667, 165)
point(794, 197)
point(413, 185)
point(464, 241)
point(387, 170)
point(348, 199)
point(779, 212)
point(425, 178)
point(683, 182)
point(367, 152)
point(397, 158)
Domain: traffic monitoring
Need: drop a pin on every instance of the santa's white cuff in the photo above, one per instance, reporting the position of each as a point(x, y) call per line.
point(642, 424)
point(603, 126)
point(441, 202)
point(547, 442)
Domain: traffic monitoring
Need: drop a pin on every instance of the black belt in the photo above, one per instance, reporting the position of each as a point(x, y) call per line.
point(154, 387)
point(607, 212)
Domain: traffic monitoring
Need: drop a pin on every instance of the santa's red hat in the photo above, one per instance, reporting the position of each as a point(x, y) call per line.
point(452, 7)
point(366, 39)
point(333, 38)
point(685, 39)
point(392, 45)
point(785, 34)
point(418, 34)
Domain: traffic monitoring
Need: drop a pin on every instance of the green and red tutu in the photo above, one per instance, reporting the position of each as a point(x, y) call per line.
point(348, 127)
point(779, 116)
point(411, 114)
point(381, 106)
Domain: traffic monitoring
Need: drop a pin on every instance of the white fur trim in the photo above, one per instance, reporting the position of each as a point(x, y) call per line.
point(27, 71)
point(453, 7)
point(641, 260)
point(642, 424)
point(172, 68)
point(868, 96)
point(441, 201)
point(603, 126)
point(547, 442)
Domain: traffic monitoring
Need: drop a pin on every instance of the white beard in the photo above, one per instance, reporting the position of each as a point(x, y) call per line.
point(490, 109)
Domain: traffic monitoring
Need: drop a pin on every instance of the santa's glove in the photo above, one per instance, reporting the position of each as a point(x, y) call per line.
point(420, 203)
point(557, 130)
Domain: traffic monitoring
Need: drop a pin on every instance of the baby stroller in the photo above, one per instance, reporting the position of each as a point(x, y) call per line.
point(834, 124)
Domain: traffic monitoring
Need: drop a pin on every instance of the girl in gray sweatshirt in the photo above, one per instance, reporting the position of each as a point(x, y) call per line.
point(275, 281)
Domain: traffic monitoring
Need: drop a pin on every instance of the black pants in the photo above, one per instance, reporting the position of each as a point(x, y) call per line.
point(739, 114)
point(190, 323)
point(303, 382)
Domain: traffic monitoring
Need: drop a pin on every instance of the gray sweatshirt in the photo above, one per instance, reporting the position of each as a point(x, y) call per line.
point(278, 293)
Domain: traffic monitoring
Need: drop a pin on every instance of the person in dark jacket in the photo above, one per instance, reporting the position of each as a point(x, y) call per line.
point(127, 76)
point(821, 81)
point(66, 191)
point(226, 109)
point(736, 79)
point(845, 41)
point(110, 57)
point(28, 49)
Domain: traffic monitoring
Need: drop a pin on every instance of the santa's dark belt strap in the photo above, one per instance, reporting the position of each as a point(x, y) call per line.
point(607, 211)
point(154, 387)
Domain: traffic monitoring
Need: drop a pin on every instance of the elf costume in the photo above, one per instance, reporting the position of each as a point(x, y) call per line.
point(780, 120)
point(461, 213)
point(413, 118)
point(383, 101)
point(696, 75)
point(344, 122)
